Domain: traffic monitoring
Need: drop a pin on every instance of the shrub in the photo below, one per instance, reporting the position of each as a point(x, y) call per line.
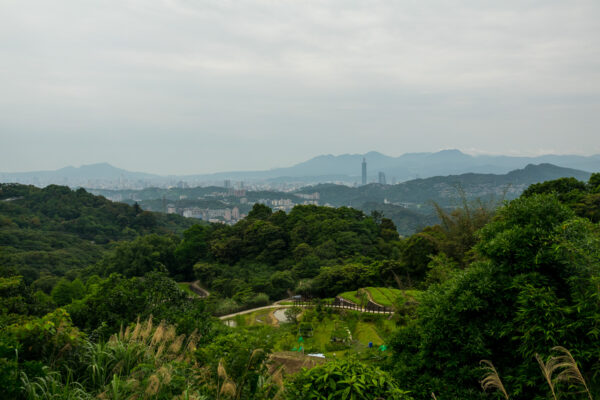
point(344, 379)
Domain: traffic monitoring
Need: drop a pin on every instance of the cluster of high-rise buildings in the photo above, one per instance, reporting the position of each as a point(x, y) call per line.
point(380, 176)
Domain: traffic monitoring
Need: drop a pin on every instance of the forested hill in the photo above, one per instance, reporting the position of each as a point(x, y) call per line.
point(445, 190)
point(56, 229)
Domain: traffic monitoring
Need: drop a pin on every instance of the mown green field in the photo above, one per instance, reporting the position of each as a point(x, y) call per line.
point(362, 329)
point(354, 297)
point(380, 295)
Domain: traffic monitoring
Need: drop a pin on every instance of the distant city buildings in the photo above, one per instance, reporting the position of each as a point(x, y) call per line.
point(216, 206)
point(364, 171)
point(381, 178)
point(309, 196)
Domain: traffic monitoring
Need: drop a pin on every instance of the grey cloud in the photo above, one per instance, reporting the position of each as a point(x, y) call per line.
point(159, 85)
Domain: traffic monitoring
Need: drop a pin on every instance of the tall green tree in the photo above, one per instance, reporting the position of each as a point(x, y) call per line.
point(535, 287)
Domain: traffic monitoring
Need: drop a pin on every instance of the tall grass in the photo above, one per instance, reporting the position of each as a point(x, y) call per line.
point(560, 367)
point(51, 386)
point(138, 362)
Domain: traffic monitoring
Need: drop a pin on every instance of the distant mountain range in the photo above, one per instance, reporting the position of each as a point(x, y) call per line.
point(424, 165)
point(408, 204)
point(344, 168)
point(445, 190)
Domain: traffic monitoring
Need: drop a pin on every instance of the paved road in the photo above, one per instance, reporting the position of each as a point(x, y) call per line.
point(277, 305)
point(274, 305)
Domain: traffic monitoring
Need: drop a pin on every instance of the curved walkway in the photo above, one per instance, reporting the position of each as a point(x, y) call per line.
point(274, 305)
point(277, 305)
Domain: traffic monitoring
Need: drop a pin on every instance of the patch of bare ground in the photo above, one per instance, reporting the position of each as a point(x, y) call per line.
point(292, 362)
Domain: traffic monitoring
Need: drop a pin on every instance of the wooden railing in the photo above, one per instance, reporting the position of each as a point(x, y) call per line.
point(345, 304)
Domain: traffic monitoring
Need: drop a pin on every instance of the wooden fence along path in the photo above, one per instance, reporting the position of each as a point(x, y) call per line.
point(340, 302)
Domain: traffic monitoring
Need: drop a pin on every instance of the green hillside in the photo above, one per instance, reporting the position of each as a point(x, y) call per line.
point(55, 229)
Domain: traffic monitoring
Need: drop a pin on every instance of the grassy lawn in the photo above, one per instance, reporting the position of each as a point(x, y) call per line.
point(186, 288)
point(413, 294)
point(353, 296)
point(381, 295)
point(384, 296)
point(374, 329)
point(321, 335)
point(365, 332)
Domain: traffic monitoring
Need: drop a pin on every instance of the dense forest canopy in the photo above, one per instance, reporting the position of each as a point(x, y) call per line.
point(55, 230)
point(90, 304)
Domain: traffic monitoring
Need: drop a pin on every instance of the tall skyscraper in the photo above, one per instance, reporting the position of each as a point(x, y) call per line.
point(381, 178)
point(364, 171)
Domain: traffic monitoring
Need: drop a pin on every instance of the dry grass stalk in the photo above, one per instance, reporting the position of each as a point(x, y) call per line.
point(170, 333)
point(221, 372)
point(570, 371)
point(147, 329)
point(177, 344)
point(547, 371)
point(153, 385)
point(491, 380)
point(136, 330)
point(255, 352)
point(192, 342)
point(160, 350)
point(165, 374)
point(159, 334)
point(228, 389)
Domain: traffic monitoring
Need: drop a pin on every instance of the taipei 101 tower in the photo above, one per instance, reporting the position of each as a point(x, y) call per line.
point(364, 171)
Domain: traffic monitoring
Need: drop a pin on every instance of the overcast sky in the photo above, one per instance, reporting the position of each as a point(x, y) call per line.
point(204, 86)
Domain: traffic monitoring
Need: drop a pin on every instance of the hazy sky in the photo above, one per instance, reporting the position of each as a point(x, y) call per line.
point(203, 86)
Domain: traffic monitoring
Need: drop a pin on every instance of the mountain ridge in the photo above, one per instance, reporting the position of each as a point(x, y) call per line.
point(345, 168)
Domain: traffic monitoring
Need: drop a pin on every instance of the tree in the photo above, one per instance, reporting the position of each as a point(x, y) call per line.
point(193, 248)
point(144, 254)
point(534, 287)
point(65, 292)
point(292, 313)
point(344, 379)
point(282, 282)
point(260, 211)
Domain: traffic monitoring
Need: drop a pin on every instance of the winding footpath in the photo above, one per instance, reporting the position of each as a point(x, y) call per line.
point(251, 310)
point(278, 304)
